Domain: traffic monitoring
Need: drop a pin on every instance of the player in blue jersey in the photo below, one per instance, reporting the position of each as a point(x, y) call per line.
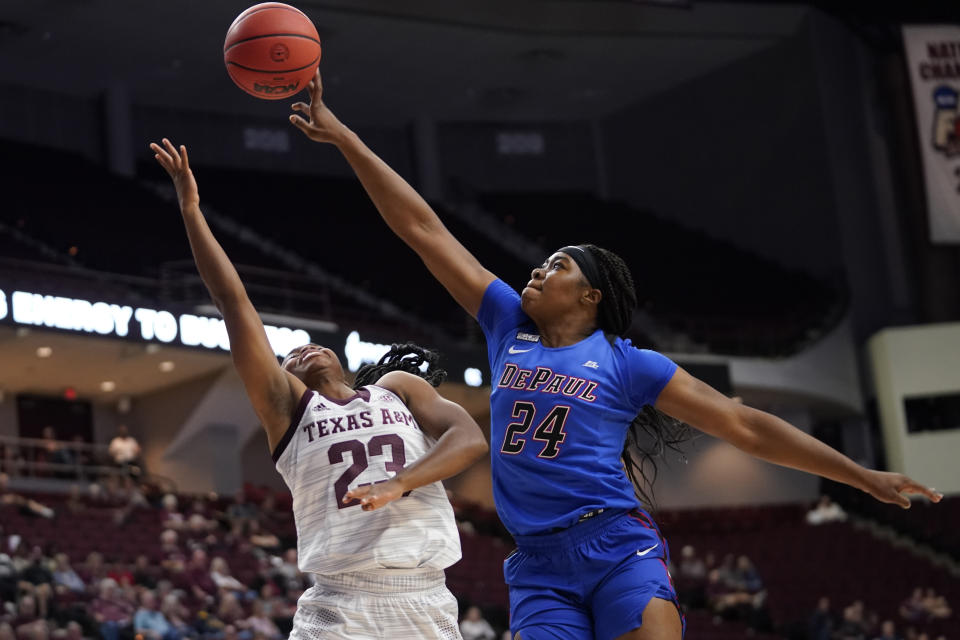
point(567, 390)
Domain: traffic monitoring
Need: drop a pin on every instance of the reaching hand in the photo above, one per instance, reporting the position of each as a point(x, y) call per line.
point(323, 125)
point(893, 488)
point(374, 496)
point(178, 166)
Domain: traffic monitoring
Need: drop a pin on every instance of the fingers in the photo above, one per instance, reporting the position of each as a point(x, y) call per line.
point(183, 153)
point(302, 107)
point(301, 124)
point(915, 488)
point(356, 494)
point(172, 151)
point(317, 89)
point(162, 156)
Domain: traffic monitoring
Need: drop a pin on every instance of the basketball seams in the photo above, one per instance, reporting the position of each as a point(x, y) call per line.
point(272, 35)
point(309, 64)
point(277, 5)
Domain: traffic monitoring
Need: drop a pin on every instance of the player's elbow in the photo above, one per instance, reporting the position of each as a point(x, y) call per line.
point(747, 431)
point(475, 445)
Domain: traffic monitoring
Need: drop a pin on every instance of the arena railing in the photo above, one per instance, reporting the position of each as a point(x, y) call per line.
point(67, 460)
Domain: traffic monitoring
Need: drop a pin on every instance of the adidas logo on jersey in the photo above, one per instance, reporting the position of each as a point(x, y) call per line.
point(591, 364)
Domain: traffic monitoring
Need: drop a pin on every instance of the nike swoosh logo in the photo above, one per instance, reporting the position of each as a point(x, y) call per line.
point(646, 551)
point(515, 350)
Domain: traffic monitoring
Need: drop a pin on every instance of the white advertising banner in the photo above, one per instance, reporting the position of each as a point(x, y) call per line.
point(933, 58)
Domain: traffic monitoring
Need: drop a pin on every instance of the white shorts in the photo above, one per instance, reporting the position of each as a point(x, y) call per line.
point(373, 605)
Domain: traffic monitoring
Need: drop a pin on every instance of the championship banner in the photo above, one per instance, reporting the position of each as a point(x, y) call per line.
point(933, 58)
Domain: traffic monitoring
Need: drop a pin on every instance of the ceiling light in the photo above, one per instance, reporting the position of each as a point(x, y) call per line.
point(166, 366)
point(108, 386)
point(44, 352)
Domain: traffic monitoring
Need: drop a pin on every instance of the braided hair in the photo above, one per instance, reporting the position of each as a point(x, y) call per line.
point(652, 433)
point(407, 357)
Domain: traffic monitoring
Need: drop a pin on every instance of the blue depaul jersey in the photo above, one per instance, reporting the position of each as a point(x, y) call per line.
point(559, 417)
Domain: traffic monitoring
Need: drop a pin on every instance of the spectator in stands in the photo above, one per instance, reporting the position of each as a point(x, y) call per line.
point(8, 579)
point(27, 506)
point(79, 451)
point(474, 627)
point(936, 606)
point(274, 606)
point(268, 509)
point(172, 517)
point(820, 625)
point(260, 538)
point(73, 631)
point(93, 571)
point(143, 576)
point(11, 461)
point(124, 449)
point(36, 579)
point(75, 500)
point(64, 577)
point(220, 574)
point(717, 592)
point(852, 626)
point(130, 498)
point(746, 576)
point(28, 623)
point(121, 574)
point(197, 578)
point(826, 511)
point(288, 573)
point(888, 631)
point(230, 611)
point(176, 613)
point(111, 611)
point(913, 609)
point(260, 623)
point(150, 622)
point(52, 450)
point(691, 578)
point(241, 511)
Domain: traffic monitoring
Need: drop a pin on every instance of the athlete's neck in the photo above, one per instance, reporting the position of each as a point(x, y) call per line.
point(335, 390)
point(564, 332)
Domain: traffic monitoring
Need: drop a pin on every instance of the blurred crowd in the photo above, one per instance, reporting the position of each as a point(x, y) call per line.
point(189, 591)
point(855, 622)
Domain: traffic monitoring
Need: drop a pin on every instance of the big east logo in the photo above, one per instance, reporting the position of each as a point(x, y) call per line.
point(946, 121)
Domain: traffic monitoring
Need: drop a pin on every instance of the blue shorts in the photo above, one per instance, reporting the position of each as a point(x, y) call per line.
point(592, 580)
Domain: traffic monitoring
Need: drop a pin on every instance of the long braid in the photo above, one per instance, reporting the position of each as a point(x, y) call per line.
point(652, 433)
point(407, 357)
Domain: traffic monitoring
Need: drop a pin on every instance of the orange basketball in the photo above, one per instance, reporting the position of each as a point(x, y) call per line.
point(272, 50)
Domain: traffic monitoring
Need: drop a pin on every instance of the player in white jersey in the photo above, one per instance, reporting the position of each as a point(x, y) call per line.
point(364, 465)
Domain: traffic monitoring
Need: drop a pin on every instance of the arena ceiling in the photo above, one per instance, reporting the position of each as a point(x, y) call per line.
point(84, 363)
point(386, 61)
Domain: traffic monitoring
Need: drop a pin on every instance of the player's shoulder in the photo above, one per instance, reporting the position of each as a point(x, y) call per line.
point(404, 385)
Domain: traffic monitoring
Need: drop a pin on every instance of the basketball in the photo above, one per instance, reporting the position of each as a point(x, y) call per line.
point(271, 50)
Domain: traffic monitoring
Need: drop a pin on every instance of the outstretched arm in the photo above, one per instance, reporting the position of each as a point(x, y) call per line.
point(768, 437)
point(272, 391)
point(406, 213)
point(459, 444)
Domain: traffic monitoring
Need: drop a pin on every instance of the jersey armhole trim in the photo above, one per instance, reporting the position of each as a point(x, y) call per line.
point(294, 423)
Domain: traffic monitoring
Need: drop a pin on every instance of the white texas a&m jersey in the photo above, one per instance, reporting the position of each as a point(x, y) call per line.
point(334, 446)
